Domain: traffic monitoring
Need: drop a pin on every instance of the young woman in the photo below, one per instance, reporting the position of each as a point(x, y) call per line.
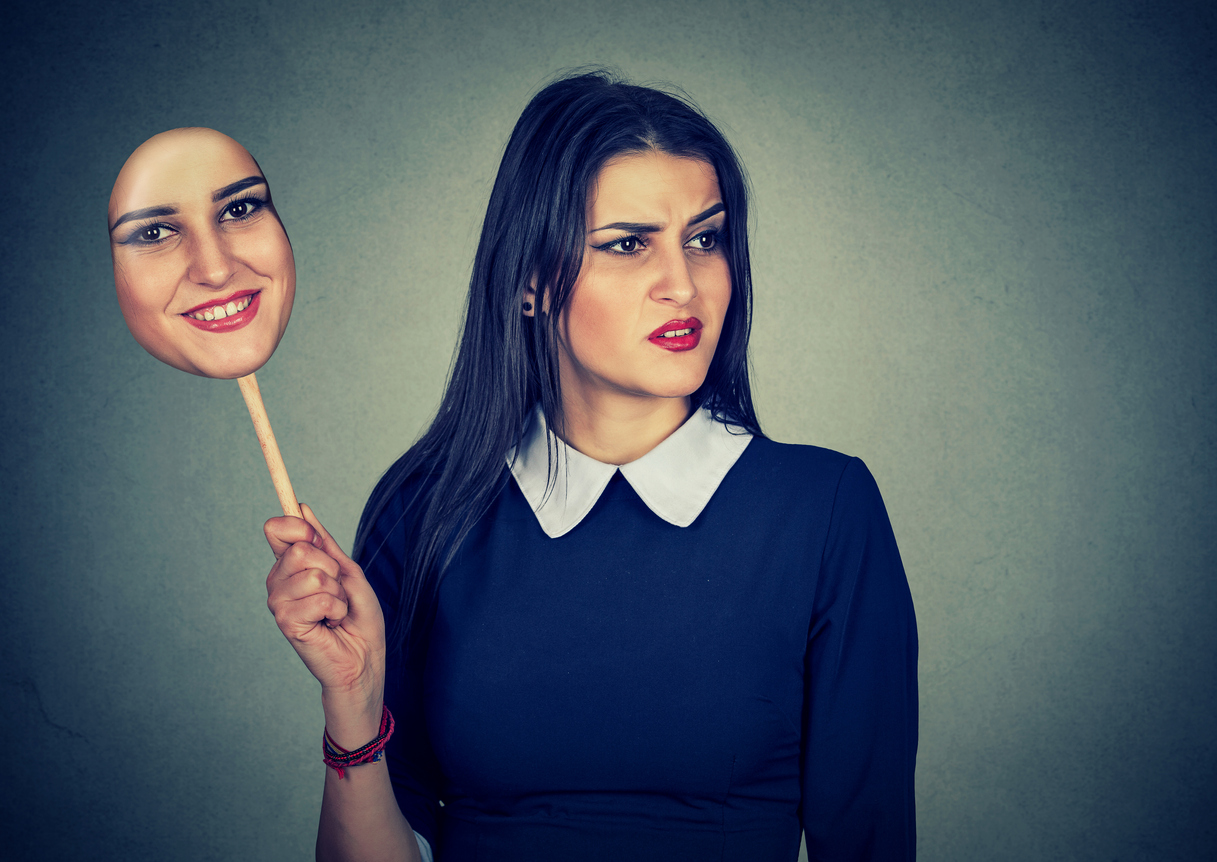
point(622, 623)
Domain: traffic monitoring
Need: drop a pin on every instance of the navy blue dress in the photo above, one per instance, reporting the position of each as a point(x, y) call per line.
point(634, 690)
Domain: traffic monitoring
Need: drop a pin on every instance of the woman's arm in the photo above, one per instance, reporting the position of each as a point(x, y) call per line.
point(861, 687)
point(328, 612)
point(360, 818)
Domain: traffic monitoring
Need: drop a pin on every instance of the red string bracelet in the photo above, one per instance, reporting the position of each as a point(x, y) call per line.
point(339, 759)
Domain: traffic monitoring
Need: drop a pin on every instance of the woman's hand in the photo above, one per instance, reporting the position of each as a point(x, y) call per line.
point(328, 612)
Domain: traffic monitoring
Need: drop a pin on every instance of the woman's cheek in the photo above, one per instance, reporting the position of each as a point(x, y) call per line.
point(597, 337)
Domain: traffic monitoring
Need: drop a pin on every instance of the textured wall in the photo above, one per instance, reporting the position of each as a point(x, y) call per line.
point(984, 246)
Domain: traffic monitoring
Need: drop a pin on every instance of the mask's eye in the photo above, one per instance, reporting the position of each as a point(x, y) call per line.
point(241, 209)
point(149, 234)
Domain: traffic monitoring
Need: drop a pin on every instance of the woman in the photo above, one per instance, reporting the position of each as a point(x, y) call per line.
point(694, 655)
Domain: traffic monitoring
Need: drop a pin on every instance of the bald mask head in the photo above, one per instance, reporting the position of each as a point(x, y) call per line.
point(203, 268)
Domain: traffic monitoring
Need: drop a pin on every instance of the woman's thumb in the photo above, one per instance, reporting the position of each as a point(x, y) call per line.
point(325, 541)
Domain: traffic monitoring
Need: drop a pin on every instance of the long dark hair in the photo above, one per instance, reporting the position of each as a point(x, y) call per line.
point(534, 233)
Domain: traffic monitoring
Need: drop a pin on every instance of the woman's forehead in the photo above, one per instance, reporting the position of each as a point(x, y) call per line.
point(652, 178)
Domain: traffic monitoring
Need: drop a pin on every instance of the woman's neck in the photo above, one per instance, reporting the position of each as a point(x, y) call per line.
point(618, 431)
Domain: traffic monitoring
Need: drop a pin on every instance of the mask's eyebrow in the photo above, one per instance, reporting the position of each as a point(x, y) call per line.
point(216, 197)
point(147, 212)
point(638, 227)
point(238, 186)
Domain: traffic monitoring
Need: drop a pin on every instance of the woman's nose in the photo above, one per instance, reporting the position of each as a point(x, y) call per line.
point(211, 263)
point(675, 283)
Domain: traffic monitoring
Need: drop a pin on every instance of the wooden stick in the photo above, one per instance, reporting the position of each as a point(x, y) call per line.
point(270, 449)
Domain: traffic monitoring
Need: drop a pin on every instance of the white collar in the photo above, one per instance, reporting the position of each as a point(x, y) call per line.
point(676, 479)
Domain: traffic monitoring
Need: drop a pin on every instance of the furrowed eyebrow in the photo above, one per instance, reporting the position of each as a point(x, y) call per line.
point(632, 227)
point(238, 186)
point(638, 227)
point(702, 216)
point(147, 212)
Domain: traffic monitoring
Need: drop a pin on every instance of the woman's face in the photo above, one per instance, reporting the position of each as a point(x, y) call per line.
point(647, 310)
point(203, 267)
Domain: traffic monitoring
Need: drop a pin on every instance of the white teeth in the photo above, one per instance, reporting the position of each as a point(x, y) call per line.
point(219, 312)
point(677, 333)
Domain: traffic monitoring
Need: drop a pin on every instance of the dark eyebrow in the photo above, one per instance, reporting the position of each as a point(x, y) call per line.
point(238, 186)
point(147, 212)
point(216, 197)
point(702, 216)
point(637, 227)
point(631, 226)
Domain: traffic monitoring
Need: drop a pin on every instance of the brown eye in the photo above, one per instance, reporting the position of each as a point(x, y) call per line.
point(625, 245)
point(704, 241)
point(242, 209)
point(149, 234)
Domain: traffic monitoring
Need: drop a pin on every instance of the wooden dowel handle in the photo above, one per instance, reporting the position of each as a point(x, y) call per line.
point(270, 449)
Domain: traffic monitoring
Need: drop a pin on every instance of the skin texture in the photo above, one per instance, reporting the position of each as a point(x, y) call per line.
point(621, 393)
point(203, 252)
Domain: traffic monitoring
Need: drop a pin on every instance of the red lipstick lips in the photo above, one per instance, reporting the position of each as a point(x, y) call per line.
point(677, 335)
point(231, 322)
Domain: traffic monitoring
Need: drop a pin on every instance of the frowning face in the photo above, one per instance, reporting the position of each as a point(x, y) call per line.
point(203, 268)
point(648, 307)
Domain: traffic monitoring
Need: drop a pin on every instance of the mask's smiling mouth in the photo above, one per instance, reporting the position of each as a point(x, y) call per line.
point(219, 312)
point(226, 315)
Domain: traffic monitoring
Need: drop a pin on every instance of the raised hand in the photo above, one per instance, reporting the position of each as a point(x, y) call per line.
point(328, 612)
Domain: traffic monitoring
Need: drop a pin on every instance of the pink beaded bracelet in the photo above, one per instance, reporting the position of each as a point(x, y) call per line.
point(339, 759)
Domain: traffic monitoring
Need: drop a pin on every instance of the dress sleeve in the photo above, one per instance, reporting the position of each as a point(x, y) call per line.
point(413, 769)
point(860, 688)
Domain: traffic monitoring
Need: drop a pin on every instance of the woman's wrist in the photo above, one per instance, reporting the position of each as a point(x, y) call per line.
point(353, 715)
point(340, 759)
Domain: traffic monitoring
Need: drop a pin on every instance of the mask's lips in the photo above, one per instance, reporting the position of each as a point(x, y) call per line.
point(243, 311)
point(203, 306)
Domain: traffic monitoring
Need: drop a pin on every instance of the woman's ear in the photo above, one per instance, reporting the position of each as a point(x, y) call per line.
point(530, 298)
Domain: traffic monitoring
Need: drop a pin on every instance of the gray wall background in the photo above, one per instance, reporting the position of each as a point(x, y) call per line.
point(984, 245)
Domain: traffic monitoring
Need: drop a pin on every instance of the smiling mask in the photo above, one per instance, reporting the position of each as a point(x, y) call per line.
point(202, 265)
